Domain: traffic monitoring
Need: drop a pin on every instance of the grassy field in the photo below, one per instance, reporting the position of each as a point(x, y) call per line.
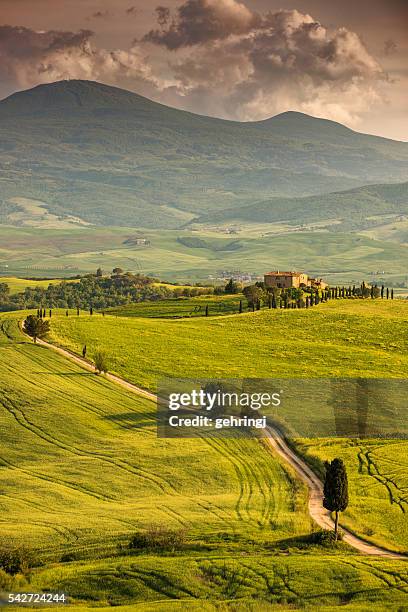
point(106, 454)
point(17, 285)
point(89, 471)
point(339, 338)
point(378, 474)
point(254, 581)
point(182, 307)
point(339, 257)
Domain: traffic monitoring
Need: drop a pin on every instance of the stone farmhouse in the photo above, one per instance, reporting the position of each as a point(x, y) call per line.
point(286, 280)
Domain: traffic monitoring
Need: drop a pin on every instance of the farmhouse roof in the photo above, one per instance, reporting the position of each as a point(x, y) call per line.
point(278, 273)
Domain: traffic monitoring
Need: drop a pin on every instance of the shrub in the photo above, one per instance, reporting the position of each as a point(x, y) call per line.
point(159, 538)
point(15, 561)
point(101, 362)
point(326, 537)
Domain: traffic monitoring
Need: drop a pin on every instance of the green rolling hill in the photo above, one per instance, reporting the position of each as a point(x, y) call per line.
point(357, 208)
point(89, 472)
point(77, 152)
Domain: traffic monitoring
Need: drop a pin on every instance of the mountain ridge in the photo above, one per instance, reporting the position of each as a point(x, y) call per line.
point(103, 90)
point(111, 157)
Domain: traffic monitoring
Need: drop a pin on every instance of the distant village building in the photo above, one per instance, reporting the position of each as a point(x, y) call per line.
point(137, 241)
point(286, 280)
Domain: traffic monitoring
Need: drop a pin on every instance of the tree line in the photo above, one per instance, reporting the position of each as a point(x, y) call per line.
point(89, 290)
point(259, 295)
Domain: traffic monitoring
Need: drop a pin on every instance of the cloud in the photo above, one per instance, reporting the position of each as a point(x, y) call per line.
point(30, 57)
point(200, 21)
point(246, 66)
point(214, 57)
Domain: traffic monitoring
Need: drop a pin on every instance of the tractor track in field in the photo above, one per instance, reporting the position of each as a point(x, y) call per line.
point(24, 422)
point(277, 444)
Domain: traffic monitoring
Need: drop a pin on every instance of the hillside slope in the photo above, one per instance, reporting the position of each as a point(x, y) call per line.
point(356, 207)
point(345, 338)
point(89, 469)
point(74, 148)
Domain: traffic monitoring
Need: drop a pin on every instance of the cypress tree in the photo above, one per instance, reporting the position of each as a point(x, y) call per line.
point(392, 294)
point(240, 306)
point(335, 490)
point(36, 327)
point(388, 293)
point(50, 313)
point(206, 310)
point(382, 291)
point(66, 313)
point(91, 311)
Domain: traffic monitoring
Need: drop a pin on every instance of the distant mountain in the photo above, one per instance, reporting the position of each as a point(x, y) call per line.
point(356, 208)
point(81, 152)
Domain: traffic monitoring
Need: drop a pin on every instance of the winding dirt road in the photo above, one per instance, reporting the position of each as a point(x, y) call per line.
point(278, 444)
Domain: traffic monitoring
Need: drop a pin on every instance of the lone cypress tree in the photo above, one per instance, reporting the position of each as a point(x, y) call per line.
point(240, 306)
point(335, 490)
point(206, 310)
point(36, 327)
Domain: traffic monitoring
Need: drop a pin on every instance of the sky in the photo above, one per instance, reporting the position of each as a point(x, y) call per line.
point(345, 60)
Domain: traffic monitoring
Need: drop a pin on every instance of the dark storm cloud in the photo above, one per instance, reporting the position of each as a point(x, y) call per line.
point(20, 42)
point(200, 21)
